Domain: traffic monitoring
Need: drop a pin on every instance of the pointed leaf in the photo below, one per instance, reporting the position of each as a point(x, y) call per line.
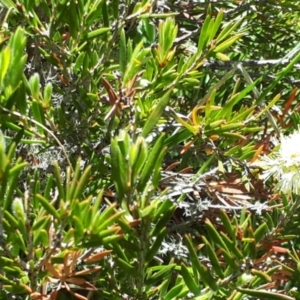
point(48, 206)
point(156, 113)
point(213, 258)
point(214, 235)
point(262, 294)
point(148, 167)
point(189, 280)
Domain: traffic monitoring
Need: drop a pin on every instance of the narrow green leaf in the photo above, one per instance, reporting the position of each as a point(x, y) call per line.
point(109, 221)
point(48, 206)
point(79, 228)
point(270, 220)
point(95, 33)
point(4, 62)
point(131, 246)
point(173, 293)
point(206, 164)
point(38, 115)
point(189, 280)
point(9, 4)
point(236, 295)
point(84, 210)
point(148, 167)
point(71, 181)
point(78, 67)
point(16, 170)
point(47, 96)
point(120, 253)
point(244, 115)
point(9, 190)
point(135, 60)
point(163, 220)
point(156, 113)
point(115, 7)
point(193, 129)
point(74, 19)
point(263, 294)
point(49, 186)
point(161, 274)
point(148, 211)
point(149, 29)
point(138, 157)
point(41, 237)
point(227, 224)
point(11, 219)
point(167, 34)
point(129, 268)
point(122, 51)
point(112, 239)
point(213, 258)
point(13, 271)
point(156, 245)
point(270, 104)
point(108, 232)
point(100, 219)
point(230, 261)
point(225, 45)
point(69, 235)
point(19, 242)
point(118, 166)
point(250, 247)
point(178, 138)
point(225, 128)
point(41, 223)
point(234, 99)
point(228, 29)
point(208, 106)
point(6, 261)
point(260, 232)
point(163, 207)
point(216, 25)
point(163, 288)
point(82, 182)
point(263, 275)
point(280, 75)
point(207, 278)
point(259, 280)
point(214, 235)
point(157, 167)
point(96, 205)
point(193, 255)
point(231, 246)
point(105, 14)
point(204, 34)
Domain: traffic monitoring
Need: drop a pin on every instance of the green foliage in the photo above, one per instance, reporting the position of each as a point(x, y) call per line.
point(129, 136)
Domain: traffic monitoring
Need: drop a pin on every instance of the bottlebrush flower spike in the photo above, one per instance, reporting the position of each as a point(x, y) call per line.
point(284, 164)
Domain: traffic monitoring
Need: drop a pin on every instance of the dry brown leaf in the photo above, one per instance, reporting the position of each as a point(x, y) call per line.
point(97, 257)
point(50, 268)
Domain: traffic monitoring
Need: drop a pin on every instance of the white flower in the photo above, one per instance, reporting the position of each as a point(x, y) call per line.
point(284, 164)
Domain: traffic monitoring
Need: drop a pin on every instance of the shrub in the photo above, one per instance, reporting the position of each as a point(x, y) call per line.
point(135, 137)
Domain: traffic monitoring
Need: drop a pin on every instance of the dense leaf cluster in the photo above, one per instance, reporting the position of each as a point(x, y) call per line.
point(129, 142)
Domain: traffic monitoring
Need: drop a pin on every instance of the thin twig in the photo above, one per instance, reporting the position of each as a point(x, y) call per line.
point(42, 126)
